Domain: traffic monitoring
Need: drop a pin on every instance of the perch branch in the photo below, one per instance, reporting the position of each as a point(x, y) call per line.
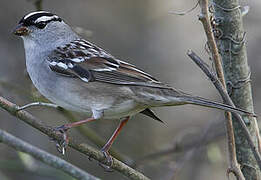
point(83, 148)
point(89, 133)
point(84, 130)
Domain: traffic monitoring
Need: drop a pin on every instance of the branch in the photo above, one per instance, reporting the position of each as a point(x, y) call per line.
point(205, 19)
point(85, 131)
point(225, 27)
point(45, 157)
point(83, 148)
point(204, 67)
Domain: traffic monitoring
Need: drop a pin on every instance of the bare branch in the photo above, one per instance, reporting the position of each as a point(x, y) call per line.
point(205, 19)
point(44, 156)
point(182, 13)
point(92, 136)
point(230, 36)
point(83, 148)
point(84, 130)
point(204, 67)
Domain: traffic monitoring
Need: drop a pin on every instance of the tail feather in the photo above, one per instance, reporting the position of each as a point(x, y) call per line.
point(151, 114)
point(207, 103)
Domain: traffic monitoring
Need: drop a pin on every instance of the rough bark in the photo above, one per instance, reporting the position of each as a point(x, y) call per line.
point(230, 36)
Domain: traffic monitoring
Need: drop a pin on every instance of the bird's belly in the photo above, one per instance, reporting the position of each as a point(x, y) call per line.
point(86, 100)
point(95, 97)
point(123, 109)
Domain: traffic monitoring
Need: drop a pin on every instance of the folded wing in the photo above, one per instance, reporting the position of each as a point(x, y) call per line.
point(84, 60)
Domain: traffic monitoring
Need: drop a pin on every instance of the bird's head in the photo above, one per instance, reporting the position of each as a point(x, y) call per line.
point(43, 27)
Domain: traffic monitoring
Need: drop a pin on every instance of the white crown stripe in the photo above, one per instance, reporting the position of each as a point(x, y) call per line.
point(33, 13)
point(45, 18)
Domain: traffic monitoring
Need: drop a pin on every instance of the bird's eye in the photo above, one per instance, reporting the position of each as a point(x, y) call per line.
point(40, 25)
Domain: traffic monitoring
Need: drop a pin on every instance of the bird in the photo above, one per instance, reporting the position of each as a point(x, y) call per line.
point(80, 76)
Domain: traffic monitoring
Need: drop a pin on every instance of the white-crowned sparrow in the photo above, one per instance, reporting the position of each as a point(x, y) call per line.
point(80, 76)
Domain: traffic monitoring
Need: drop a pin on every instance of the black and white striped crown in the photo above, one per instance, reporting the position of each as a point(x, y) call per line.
point(34, 18)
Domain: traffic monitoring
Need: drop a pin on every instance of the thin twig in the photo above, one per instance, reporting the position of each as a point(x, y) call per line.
point(204, 67)
point(182, 13)
point(44, 156)
point(83, 148)
point(205, 19)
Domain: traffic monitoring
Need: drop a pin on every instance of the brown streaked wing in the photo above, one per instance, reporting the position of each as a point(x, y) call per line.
point(90, 63)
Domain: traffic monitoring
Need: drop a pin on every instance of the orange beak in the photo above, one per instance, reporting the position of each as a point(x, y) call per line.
point(21, 30)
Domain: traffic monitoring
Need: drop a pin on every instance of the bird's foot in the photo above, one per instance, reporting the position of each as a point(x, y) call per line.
point(108, 161)
point(61, 144)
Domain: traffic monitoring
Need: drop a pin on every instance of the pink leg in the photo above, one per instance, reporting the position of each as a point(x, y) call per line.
point(107, 146)
point(66, 127)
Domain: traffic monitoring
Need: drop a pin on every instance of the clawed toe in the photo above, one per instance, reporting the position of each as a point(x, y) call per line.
point(61, 144)
point(20, 108)
point(61, 147)
point(108, 161)
point(36, 104)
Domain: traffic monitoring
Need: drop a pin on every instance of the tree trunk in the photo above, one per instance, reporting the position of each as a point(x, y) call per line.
point(230, 38)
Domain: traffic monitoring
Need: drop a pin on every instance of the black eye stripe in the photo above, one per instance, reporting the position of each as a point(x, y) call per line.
point(41, 25)
point(30, 20)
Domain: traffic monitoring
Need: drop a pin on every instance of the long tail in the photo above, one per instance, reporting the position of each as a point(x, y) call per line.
point(207, 103)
